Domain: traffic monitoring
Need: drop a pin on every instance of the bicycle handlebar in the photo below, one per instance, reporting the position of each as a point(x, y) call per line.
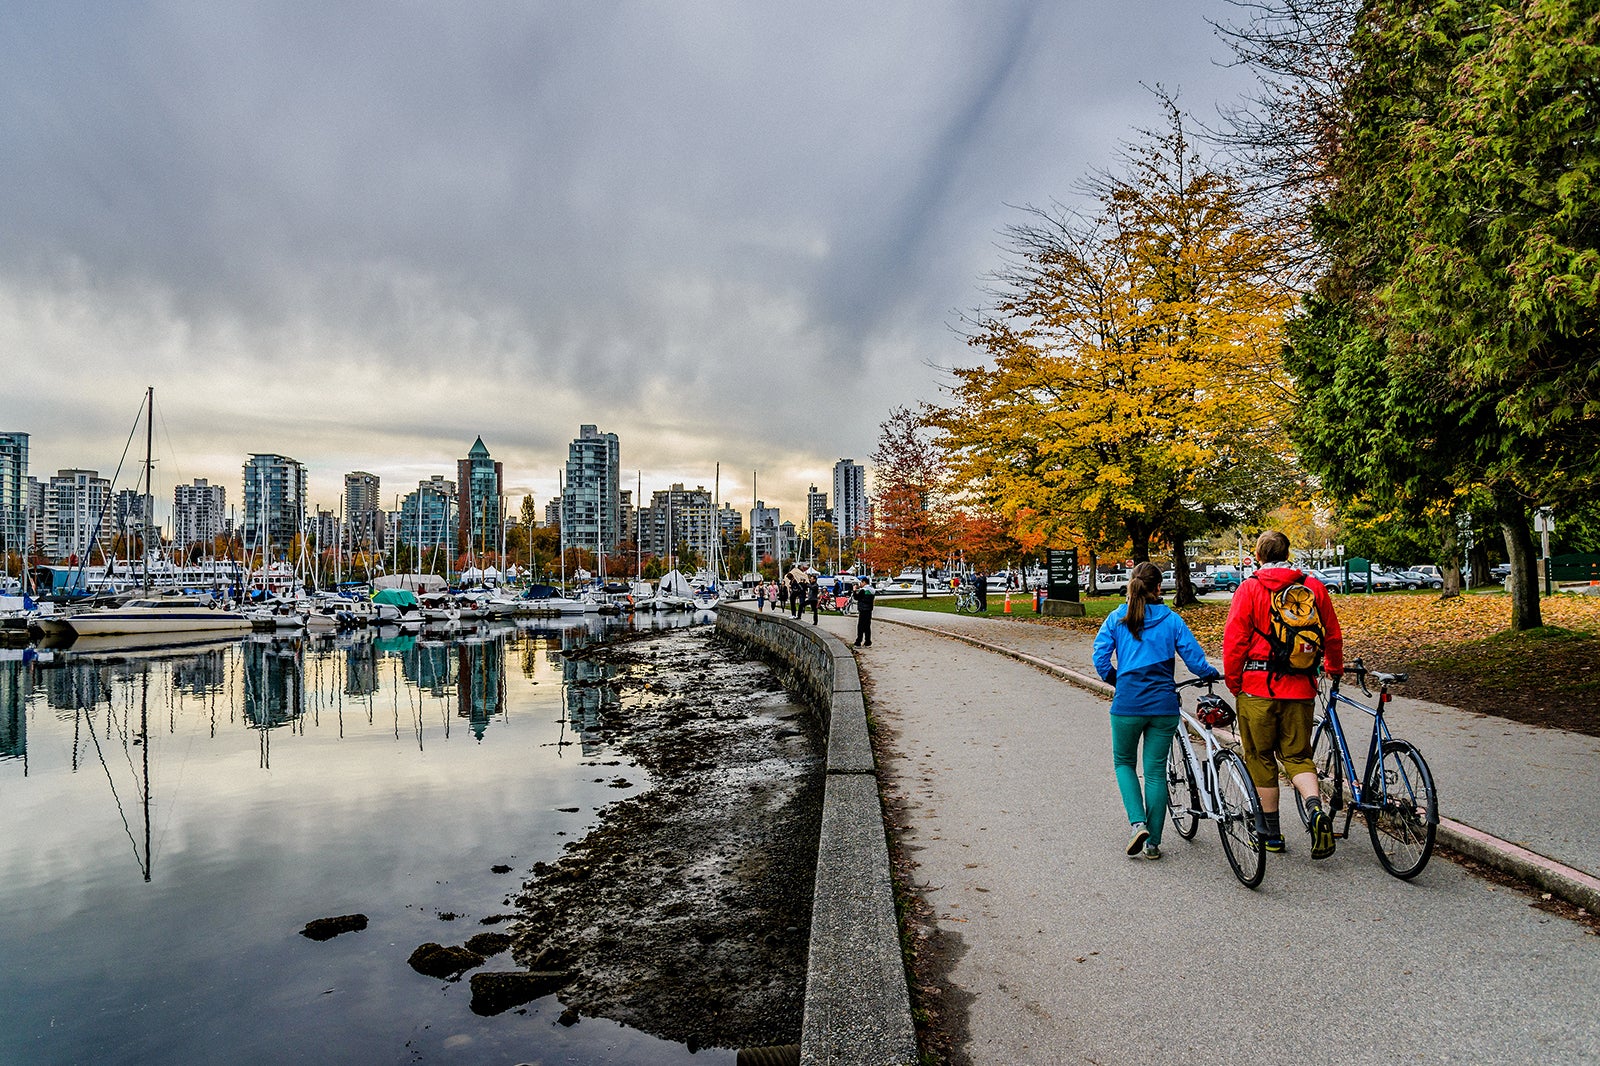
point(1193, 681)
point(1359, 671)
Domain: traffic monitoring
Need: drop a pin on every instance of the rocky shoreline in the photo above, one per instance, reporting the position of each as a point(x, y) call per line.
point(686, 911)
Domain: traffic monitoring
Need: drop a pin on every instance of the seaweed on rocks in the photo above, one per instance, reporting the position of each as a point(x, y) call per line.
point(686, 911)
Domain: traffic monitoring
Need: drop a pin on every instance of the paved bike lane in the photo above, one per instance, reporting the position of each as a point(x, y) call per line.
point(1071, 952)
point(1517, 785)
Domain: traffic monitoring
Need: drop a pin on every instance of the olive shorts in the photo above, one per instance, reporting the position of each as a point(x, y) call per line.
point(1275, 726)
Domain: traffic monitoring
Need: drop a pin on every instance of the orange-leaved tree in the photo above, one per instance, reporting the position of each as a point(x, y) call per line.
point(1133, 393)
point(908, 520)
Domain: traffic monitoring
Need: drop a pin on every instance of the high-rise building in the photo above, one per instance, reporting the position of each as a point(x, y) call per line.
point(552, 513)
point(730, 522)
point(35, 513)
point(627, 520)
point(363, 512)
point(132, 514)
point(77, 515)
point(274, 501)
point(591, 496)
point(849, 499)
point(425, 516)
point(198, 511)
point(764, 522)
point(677, 517)
point(13, 492)
point(479, 478)
point(816, 508)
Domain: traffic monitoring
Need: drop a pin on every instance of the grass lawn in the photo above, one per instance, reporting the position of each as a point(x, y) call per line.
point(1457, 651)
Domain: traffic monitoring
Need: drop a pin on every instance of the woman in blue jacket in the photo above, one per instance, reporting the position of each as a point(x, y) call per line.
point(1143, 636)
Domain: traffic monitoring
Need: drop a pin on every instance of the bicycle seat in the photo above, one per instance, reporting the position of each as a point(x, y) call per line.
point(1213, 711)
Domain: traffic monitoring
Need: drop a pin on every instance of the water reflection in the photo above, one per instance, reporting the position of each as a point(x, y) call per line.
point(393, 774)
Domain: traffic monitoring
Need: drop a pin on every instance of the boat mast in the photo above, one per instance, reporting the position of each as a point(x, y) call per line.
point(755, 566)
point(638, 505)
point(149, 469)
point(561, 527)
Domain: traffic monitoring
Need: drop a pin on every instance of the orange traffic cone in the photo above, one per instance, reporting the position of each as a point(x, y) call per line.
point(1008, 603)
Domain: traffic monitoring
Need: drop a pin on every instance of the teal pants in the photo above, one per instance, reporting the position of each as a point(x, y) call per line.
point(1150, 805)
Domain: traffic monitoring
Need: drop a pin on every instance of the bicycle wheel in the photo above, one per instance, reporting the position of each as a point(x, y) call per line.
point(1404, 816)
point(1183, 802)
point(1330, 773)
point(1241, 814)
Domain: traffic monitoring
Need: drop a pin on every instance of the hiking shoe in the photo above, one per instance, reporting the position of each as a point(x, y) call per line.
point(1152, 851)
point(1276, 845)
point(1140, 835)
point(1321, 834)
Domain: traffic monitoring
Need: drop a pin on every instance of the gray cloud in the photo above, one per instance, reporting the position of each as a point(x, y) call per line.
point(364, 233)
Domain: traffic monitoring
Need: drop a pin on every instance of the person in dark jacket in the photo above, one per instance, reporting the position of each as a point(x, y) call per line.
point(1144, 636)
point(864, 595)
point(813, 596)
point(980, 585)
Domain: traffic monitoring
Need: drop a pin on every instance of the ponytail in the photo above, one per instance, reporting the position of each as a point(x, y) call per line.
point(1144, 586)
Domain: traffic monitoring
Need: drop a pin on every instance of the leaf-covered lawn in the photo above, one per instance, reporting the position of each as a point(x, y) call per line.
point(1459, 652)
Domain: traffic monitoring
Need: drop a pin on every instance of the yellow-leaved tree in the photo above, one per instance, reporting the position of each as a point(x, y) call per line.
point(1133, 393)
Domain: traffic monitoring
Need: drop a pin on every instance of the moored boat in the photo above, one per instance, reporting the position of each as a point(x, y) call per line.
point(156, 614)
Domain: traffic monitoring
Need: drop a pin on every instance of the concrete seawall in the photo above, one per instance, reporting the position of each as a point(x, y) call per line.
point(857, 1009)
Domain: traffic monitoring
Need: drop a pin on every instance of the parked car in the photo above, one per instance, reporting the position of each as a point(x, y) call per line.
point(1384, 580)
point(1416, 579)
point(1500, 571)
point(1333, 577)
point(1227, 579)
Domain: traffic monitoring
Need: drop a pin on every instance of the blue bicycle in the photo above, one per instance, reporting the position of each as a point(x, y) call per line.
point(1395, 792)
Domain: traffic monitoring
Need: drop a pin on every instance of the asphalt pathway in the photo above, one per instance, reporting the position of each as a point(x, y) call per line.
point(1072, 952)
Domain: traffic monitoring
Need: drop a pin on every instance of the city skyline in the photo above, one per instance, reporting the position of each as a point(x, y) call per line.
point(364, 238)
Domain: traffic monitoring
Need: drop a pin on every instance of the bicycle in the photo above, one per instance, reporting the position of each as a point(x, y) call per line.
point(1396, 794)
point(966, 599)
point(1216, 788)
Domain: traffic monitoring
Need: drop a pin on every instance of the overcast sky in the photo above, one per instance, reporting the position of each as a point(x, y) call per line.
point(363, 234)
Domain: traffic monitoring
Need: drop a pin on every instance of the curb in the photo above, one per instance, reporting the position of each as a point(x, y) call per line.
point(1553, 876)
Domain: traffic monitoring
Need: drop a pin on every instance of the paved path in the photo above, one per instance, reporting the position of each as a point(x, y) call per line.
point(1072, 952)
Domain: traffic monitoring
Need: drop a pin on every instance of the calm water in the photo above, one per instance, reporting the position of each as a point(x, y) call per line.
point(287, 781)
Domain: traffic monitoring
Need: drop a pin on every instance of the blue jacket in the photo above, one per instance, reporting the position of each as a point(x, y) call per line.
point(1143, 672)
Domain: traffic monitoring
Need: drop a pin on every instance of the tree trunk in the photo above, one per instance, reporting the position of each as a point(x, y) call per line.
point(1139, 541)
point(1183, 595)
point(1094, 573)
point(1478, 563)
point(1450, 563)
point(1523, 584)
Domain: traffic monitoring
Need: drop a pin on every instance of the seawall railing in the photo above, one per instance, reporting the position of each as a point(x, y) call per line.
point(857, 1005)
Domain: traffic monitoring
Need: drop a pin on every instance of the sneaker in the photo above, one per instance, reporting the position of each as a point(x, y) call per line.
point(1140, 835)
point(1321, 834)
point(1276, 845)
point(1152, 851)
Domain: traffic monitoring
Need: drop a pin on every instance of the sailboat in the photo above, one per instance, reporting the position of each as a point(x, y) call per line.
point(153, 614)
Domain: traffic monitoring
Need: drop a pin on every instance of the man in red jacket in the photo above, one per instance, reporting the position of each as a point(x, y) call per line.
point(1275, 707)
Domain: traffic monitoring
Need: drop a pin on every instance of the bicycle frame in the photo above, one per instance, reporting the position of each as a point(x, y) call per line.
point(1380, 733)
point(1204, 777)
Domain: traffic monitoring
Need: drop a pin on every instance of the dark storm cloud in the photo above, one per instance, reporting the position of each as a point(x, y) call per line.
point(363, 233)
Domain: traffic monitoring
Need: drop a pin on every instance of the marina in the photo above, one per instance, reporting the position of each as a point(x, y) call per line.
point(177, 813)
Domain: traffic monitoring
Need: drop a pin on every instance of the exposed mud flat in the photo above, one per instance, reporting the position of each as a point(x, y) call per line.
point(686, 912)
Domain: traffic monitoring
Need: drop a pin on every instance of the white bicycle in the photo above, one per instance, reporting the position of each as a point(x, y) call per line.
point(1215, 785)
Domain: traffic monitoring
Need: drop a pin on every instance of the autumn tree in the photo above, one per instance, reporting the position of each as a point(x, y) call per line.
point(1133, 393)
point(908, 502)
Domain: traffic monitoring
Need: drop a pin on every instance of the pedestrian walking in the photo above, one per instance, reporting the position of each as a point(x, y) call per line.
point(864, 596)
point(980, 585)
point(1134, 652)
point(813, 596)
point(761, 596)
point(782, 599)
point(1281, 631)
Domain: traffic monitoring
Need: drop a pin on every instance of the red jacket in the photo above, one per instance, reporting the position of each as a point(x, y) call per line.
point(1249, 618)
